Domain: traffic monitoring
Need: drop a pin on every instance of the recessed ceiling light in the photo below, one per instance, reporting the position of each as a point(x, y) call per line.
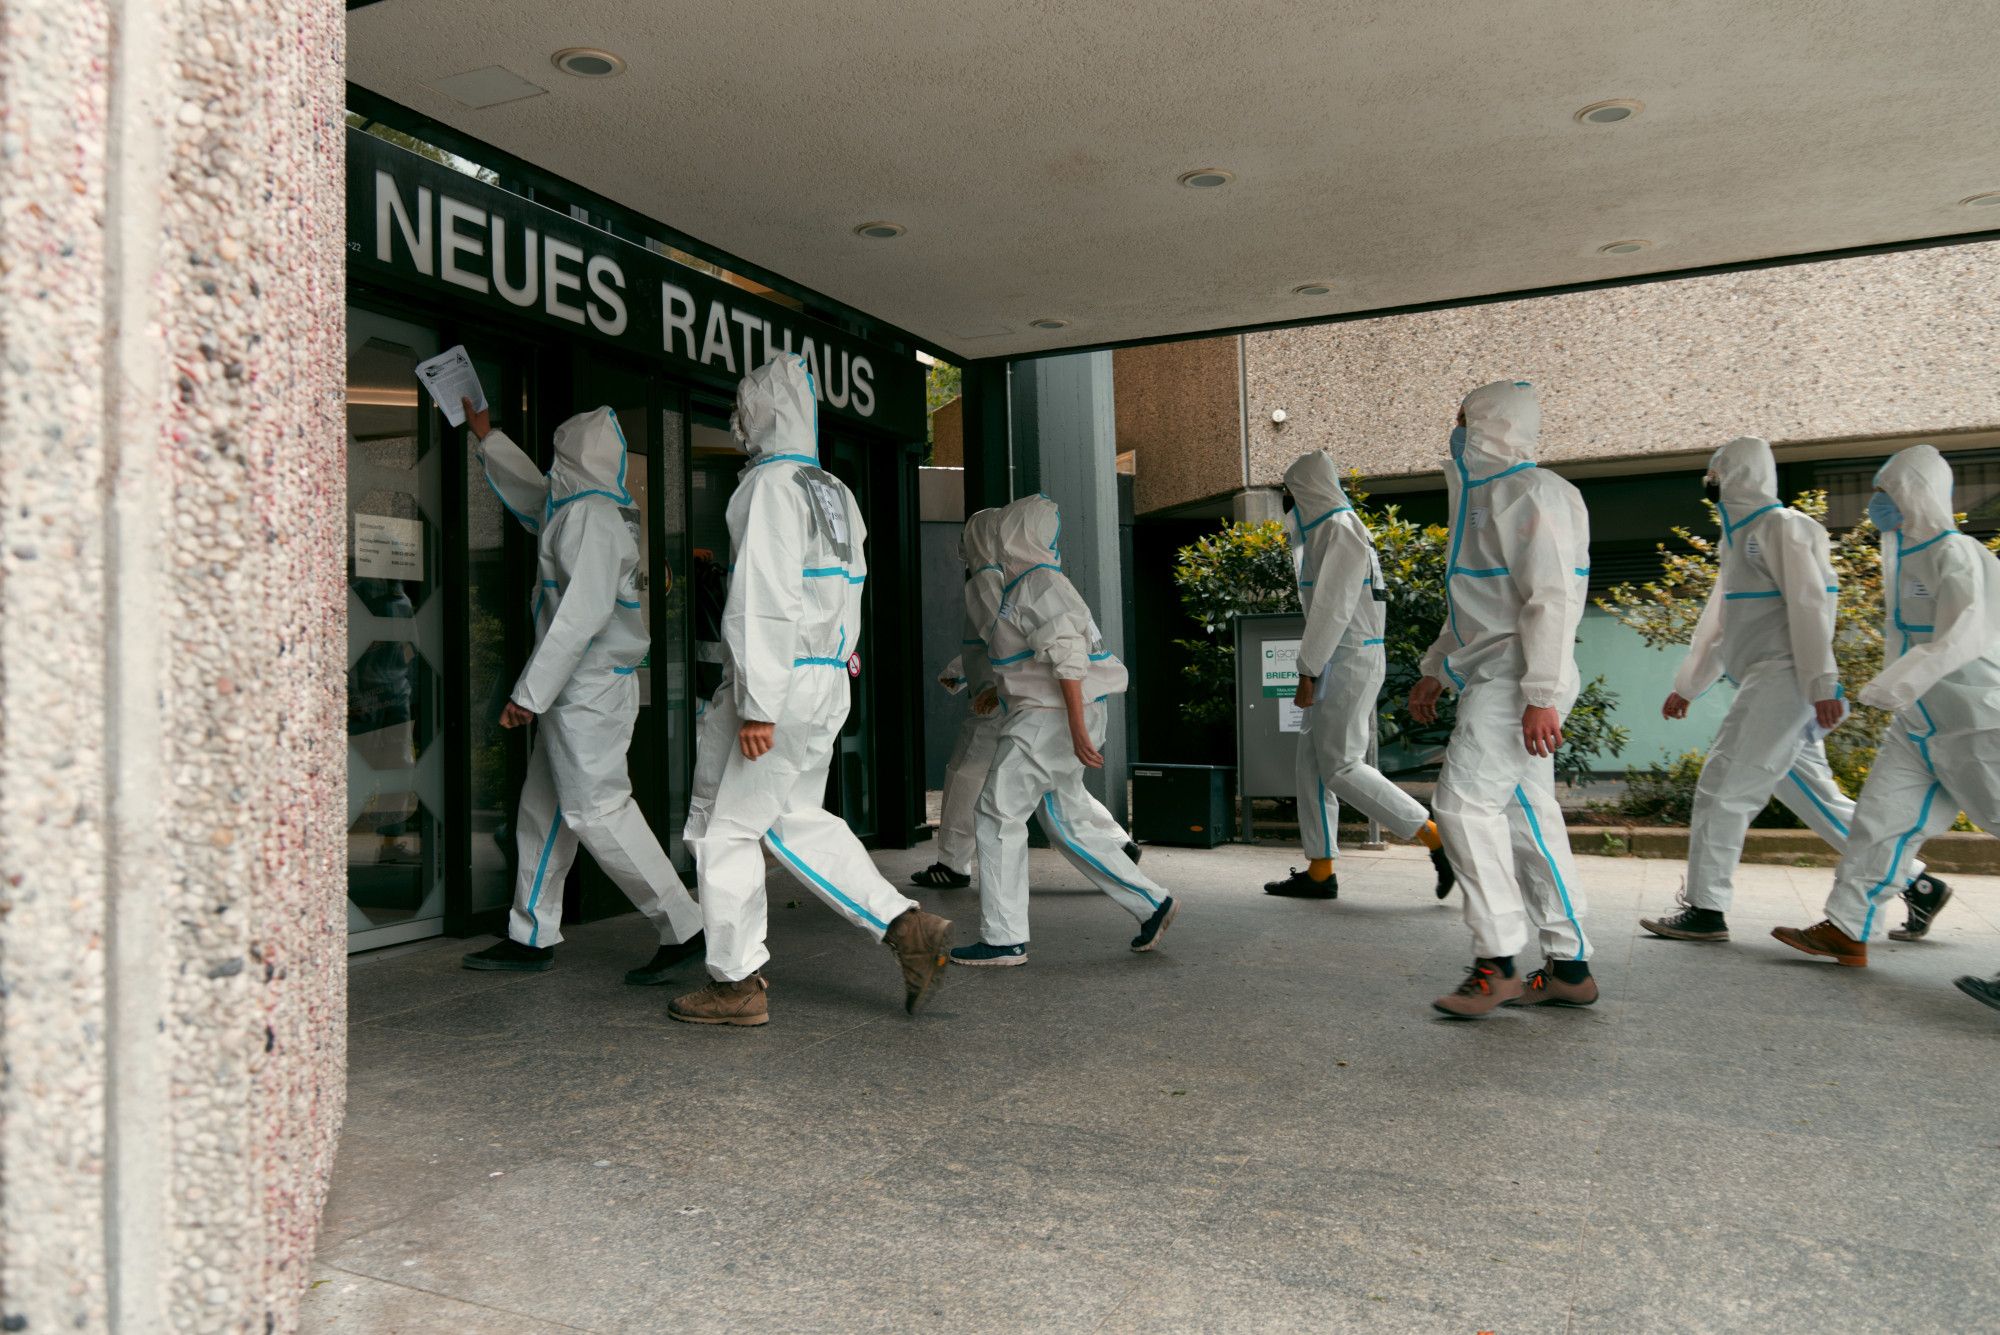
point(1632, 247)
point(1985, 201)
point(880, 231)
point(1312, 289)
point(1611, 112)
point(1049, 322)
point(1207, 178)
point(587, 62)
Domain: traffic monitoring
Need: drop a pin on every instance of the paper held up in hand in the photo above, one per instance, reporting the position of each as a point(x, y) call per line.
point(449, 377)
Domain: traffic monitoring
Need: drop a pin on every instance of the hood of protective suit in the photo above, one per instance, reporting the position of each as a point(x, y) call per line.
point(1747, 475)
point(979, 540)
point(1314, 482)
point(777, 411)
point(1503, 425)
point(590, 458)
point(1028, 532)
point(1919, 481)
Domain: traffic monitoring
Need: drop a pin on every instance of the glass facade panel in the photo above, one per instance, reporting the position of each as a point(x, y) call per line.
point(396, 769)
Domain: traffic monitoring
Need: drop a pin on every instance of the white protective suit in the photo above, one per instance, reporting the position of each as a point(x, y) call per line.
point(1043, 635)
point(972, 752)
point(1941, 753)
point(580, 682)
point(791, 622)
point(1518, 571)
point(1768, 627)
point(1345, 601)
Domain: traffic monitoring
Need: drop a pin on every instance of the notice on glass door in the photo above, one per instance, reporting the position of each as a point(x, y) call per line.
point(386, 547)
point(449, 377)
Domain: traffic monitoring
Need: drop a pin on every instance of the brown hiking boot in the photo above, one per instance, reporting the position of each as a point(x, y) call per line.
point(1823, 938)
point(1545, 989)
point(744, 1002)
point(919, 940)
point(1485, 989)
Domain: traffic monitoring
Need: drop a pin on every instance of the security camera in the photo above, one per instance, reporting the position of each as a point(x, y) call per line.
point(1278, 416)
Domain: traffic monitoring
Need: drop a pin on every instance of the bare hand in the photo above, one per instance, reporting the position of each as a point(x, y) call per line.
point(1675, 707)
point(1830, 712)
point(754, 738)
point(1424, 699)
point(479, 419)
point(1541, 730)
point(1303, 697)
point(513, 716)
point(986, 702)
point(1079, 742)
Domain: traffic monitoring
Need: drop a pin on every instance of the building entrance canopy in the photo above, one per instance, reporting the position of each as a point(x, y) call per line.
point(1338, 158)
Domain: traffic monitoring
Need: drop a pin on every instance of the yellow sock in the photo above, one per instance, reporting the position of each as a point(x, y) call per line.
point(1320, 868)
point(1428, 836)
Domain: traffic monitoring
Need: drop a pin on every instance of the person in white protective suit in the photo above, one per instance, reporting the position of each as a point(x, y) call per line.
point(1341, 664)
point(1941, 752)
point(1054, 675)
point(580, 685)
point(1518, 571)
point(972, 752)
point(768, 737)
point(1768, 626)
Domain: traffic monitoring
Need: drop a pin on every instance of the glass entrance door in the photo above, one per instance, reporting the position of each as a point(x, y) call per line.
point(395, 637)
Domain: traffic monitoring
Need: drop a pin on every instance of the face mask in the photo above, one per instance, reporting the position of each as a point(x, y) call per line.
point(1289, 502)
point(1886, 514)
point(1712, 490)
point(1458, 442)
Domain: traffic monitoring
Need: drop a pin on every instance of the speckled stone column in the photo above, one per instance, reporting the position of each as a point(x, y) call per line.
point(172, 739)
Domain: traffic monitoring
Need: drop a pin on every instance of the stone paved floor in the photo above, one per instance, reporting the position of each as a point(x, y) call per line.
point(1261, 1128)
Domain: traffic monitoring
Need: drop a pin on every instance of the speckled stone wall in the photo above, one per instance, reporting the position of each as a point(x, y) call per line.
point(1178, 412)
point(172, 658)
point(1887, 345)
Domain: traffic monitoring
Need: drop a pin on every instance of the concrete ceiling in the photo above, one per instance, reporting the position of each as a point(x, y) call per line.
point(1402, 152)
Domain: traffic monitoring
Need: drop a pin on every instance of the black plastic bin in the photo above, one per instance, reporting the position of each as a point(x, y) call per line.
point(1183, 805)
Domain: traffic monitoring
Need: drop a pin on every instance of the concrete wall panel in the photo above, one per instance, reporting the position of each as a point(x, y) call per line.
point(1886, 345)
point(172, 657)
point(1178, 411)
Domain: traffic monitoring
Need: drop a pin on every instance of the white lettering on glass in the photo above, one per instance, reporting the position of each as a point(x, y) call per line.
point(676, 317)
point(389, 204)
point(531, 272)
point(451, 242)
point(864, 388)
point(716, 341)
point(555, 278)
point(606, 278)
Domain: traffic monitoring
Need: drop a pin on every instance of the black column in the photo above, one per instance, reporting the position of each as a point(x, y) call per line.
point(988, 480)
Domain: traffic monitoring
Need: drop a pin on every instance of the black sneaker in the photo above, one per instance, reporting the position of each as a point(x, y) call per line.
point(655, 970)
point(1156, 926)
point(510, 956)
point(1690, 924)
point(937, 876)
point(1447, 878)
point(1986, 991)
point(1301, 886)
point(1923, 897)
point(1132, 851)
